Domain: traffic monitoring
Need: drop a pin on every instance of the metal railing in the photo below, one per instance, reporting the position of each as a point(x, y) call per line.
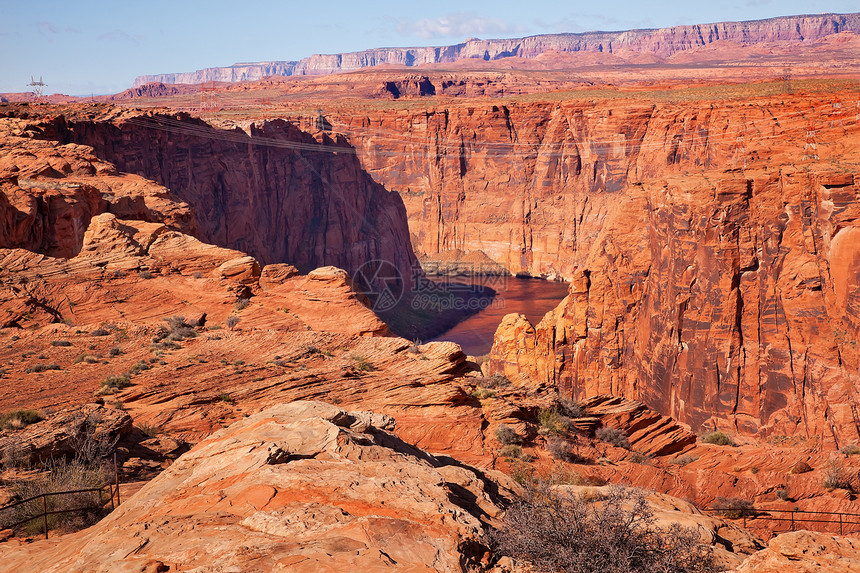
point(824, 521)
point(113, 489)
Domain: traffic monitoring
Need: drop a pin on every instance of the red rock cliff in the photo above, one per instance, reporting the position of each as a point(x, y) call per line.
point(275, 193)
point(714, 258)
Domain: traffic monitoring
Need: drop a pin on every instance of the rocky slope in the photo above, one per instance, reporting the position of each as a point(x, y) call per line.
point(304, 486)
point(660, 42)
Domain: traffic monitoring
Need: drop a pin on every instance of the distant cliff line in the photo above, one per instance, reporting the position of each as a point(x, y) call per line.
point(662, 42)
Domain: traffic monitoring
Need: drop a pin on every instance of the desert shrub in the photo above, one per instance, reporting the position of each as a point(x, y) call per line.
point(718, 438)
point(733, 507)
point(557, 530)
point(782, 494)
point(483, 393)
point(113, 384)
point(60, 343)
point(241, 304)
point(506, 435)
point(197, 275)
point(638, 458)
point(139, 367)
point(148, 429)
point(99, 332)
point(42, 368)
point(560, 449)
point(551, 421)
point(836, 476)
point(232, 321)
point(754, 470)
point(145, 275)
point(512, 451)
point(88, 358)
point(225, 397)
point(683, 460)
point(115, 351)
point(362, 364)
point(18, 419)
point(613, 436)
point(850, 450)
point(60, 475)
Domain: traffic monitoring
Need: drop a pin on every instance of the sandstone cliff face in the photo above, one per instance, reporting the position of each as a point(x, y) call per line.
point(713, 266)
point(661, 42)
point(274, 193)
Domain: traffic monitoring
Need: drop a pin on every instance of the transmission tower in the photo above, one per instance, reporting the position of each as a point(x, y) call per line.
point(836, 113)
point(810, 148)
point(37, 88)
point(322, 124)
point(207, 95)
point(786, 80)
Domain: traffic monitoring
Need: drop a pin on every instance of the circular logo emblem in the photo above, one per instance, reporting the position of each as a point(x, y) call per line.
point(381, 282)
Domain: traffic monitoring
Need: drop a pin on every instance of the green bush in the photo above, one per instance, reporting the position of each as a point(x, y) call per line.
point(718, 438)
point(512, 451)
point(113, 384)
point(551, 421)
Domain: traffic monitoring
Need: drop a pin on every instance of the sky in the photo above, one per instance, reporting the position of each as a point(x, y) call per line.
point(83, 47)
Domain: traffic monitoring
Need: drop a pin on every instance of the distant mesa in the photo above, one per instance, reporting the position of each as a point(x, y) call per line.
point(662, 42)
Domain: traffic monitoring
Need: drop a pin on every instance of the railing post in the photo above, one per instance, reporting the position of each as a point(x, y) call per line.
point(840, 524)
point(792, 521)
point(116, 478)
point(45, 513)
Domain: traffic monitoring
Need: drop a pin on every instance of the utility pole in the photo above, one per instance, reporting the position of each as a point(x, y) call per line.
point(37, 88)
point(810, 148)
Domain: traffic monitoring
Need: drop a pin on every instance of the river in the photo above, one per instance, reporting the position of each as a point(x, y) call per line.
point(531, 297)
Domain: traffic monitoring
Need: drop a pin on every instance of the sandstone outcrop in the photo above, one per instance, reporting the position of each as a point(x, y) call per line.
point(805, 552)
point(64, 434)
point(304, 486)
point(662, 42)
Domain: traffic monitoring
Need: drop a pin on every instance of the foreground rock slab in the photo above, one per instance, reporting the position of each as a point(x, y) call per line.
point(805, 551)
point(304, 486)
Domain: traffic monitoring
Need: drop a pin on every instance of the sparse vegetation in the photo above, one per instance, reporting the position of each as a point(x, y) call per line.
point(42, 368)
point(734, 507)
point(494, 382)
point(639, 458)
point(483, 393)
point(362, 364)
point(552, 422)
point(115, 351)
point(558, 530)
point(139, 367)
point(850, 450)
point(60, 343)
point(232, 321)
point(560, 449)
point(148, 429)
point(683, 460)
point(100, 332)
point(241, 304)
point(113, 384)
point(145, 275)
point(782, 494)
point(507, 436)
point(717, 438)
point(18, 419)
point(88, 358)
point(225, 397)
point(836, 476)
point(512, 451)
point(613, 436)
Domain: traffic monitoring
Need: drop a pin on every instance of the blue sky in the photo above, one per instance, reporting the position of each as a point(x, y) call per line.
point(100, 47)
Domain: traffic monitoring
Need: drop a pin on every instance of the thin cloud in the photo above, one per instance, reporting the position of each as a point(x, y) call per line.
point(50, 28)
point(457, 25)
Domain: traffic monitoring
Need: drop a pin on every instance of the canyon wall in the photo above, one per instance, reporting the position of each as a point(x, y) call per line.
point(662, 42)
point(712, 246)
point(275, 192)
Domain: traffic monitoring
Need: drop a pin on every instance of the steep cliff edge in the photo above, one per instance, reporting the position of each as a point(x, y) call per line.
point(275, 192)
point(661, 42)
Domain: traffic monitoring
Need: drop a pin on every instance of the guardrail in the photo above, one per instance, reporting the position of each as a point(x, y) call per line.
point(113, 489)
point(825, 521)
